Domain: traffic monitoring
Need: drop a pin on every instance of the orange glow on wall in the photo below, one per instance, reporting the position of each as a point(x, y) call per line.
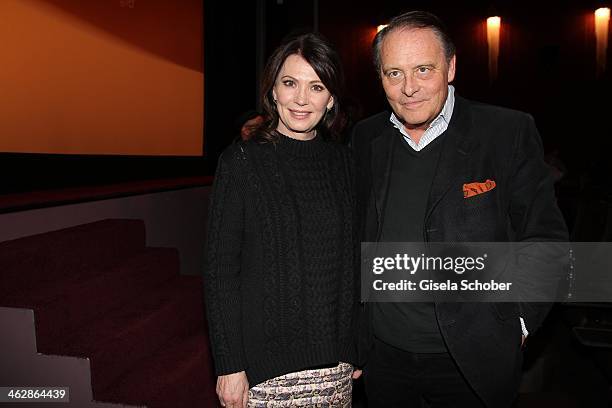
point(102, 77)
point(602, 21)
point(493, 30)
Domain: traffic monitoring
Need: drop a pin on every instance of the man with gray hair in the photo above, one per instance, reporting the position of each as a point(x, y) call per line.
point(440, 168)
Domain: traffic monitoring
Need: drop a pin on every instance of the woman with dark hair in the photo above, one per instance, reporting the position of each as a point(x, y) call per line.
point(280, 284)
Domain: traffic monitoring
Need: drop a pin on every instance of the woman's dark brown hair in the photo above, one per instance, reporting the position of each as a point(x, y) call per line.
point(325, 62)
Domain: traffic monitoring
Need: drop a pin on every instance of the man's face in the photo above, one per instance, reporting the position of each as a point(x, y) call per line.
point(415, 76)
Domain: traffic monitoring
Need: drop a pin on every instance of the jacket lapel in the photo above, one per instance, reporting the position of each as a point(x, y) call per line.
point(454, 156)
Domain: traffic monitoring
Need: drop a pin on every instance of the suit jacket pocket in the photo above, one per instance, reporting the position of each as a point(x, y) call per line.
point(480, 200)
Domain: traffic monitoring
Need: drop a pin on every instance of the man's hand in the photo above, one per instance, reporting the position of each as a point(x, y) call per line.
point(357, 373)
point(233, 390)
point(523, 341)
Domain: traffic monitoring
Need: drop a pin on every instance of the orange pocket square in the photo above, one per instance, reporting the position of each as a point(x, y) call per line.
point(472, 189)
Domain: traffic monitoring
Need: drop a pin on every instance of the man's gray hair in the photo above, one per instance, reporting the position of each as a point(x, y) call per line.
point(412, 20)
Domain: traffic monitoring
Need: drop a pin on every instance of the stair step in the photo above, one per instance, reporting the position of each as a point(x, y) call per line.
point(22, 366)
point(188, 378)
point(133, 331)
point(19, 337)
point(62, 308)
point(42, 294)
point(43, 258)
point(57, 371)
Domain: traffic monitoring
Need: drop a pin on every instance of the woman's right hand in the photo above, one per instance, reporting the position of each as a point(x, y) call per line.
point(233, 390)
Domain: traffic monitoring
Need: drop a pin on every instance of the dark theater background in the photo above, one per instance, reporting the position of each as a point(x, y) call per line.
point(113, 114)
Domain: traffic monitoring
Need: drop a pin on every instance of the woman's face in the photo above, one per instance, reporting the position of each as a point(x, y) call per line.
point(301, 98)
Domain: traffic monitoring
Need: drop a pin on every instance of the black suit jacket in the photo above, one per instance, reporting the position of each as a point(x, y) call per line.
point(482, 142)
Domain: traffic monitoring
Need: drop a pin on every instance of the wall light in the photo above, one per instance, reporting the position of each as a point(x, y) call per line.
point(602, 20)
point(380, 27)
point(493, 29)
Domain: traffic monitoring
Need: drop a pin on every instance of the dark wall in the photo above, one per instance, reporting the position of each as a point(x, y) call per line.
point(230, 67)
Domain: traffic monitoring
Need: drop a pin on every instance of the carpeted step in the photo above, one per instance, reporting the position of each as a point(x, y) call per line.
point(179, 375)
point(135, 330)
point(48, 257)
point(43, 294)
point(22, 366)
point(61, 309)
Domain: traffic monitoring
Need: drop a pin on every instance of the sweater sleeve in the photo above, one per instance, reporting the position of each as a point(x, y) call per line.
point(222, 270)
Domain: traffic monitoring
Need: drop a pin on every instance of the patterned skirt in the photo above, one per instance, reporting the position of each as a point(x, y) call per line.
point(323, 387)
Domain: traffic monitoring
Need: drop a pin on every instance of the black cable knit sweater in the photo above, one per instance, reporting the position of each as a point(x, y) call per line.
point(280, 279)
